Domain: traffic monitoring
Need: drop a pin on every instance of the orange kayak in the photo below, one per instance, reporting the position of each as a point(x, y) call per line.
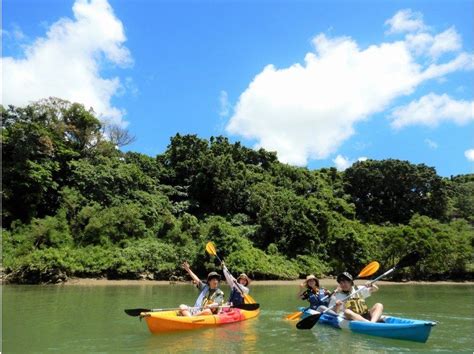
point(168, 321)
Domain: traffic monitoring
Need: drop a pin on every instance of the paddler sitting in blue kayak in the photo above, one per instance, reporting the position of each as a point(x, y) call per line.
point(311, 291)
point(239, 286)
point(210, 298)
point(355, 308)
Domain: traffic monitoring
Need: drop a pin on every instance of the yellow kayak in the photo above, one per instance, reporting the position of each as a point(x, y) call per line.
point(167, 321)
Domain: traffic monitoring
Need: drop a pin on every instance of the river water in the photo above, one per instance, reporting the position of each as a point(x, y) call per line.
point(90, 319)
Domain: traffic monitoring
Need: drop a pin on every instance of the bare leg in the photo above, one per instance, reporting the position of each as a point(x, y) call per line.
point(376, 312)
point(184, 311)
point(351, 315)
point(204, 312)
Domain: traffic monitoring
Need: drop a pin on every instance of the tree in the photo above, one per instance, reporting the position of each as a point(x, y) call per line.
point(394, 190)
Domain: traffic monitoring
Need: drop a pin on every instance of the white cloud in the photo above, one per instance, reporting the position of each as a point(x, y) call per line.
point(306, 111)
point(424, 43)
point(432, 109)
point(342, 162)
point(432, 144)
point(469, 154)
point(66, 62)
point(224, 104)
point(445, 42)
point(406, 21)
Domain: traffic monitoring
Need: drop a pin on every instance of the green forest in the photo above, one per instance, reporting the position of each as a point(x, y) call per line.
point(76, 205)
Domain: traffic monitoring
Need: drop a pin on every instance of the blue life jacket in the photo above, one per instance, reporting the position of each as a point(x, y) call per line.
point(315, 299)
point(236, 297)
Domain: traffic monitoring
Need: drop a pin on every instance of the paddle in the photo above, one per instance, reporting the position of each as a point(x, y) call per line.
point(136, 312)
point(211, 249)
point(368, 270)
point(407, 261)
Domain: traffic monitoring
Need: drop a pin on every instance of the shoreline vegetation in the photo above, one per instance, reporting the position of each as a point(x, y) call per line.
point(77, 206)
point(325, 282)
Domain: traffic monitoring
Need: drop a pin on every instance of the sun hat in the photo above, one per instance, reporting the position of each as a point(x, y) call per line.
point(244, 276)
point(312, 277)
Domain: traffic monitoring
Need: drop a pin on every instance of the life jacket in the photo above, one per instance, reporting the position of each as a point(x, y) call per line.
point(209, 299)
point(314, 298)
point(236, 297)
point(205, 298)
point(357, 304)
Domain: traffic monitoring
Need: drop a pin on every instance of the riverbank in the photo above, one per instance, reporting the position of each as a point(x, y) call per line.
point(323, 282)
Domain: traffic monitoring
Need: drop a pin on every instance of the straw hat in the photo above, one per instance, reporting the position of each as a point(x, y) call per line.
point(244, 276)
point(313, 277)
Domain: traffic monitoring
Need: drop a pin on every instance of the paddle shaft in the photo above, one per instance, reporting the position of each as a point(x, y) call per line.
point(177, 308)
point(214, 253)
point(359, 290)
point(235, 281)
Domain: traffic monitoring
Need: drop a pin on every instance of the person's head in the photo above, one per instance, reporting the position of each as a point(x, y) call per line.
point(345, 281)
point(243, 279)
point(213, 279)
point(311, 281)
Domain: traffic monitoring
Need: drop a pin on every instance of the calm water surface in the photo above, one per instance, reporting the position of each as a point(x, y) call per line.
point(90, 319)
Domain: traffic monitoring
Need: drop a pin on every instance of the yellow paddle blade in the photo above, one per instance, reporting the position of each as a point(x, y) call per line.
point(293, 316)
point(211, 248)
point(369, 269)
point(248, 299)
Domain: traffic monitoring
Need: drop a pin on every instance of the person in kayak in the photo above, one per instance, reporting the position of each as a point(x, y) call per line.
point(355, 308)
point(238, 286)
point(310, 290)
point(210, 298)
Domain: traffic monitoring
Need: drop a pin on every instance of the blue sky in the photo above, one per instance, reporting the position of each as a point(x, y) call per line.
point(322, 83)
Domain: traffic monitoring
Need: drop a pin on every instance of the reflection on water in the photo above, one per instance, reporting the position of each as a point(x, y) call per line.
point(235, 337)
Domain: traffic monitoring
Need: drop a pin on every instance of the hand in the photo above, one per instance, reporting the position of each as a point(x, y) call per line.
point(303, 285)
point(223, 264)
point(338, 303)
point(338, 289)
point(185, 265)
point(368, 284)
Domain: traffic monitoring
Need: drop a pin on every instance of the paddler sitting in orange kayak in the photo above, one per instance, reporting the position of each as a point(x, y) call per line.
point(239, 286)
point(210, 298)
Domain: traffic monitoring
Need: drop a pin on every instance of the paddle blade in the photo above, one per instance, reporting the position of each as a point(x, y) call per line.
point(369, 270)
point(308, 322)
point(248, 307)
point(135, 312)
point(293, 316)
point(409, 260)
point(211, 249)
point(248, 299)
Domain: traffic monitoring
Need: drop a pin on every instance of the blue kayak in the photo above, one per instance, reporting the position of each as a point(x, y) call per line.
point(391, 327)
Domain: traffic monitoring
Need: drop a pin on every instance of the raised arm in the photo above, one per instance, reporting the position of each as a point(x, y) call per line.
point(185, 266)
point(232, 282)
point(228, 277)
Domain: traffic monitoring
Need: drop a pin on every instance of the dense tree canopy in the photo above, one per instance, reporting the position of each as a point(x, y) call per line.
point(393, 191)
point(75, 205)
